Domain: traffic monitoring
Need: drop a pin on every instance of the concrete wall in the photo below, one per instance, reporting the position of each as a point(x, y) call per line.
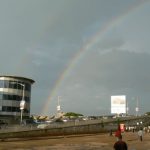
point(72, 130)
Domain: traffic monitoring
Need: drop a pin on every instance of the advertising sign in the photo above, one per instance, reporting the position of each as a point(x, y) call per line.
point(118, 104)
point(122, 127)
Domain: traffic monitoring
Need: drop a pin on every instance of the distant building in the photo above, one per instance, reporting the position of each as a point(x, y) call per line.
point(13, 89)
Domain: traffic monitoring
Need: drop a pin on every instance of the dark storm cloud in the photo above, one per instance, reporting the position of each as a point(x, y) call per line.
point(117, 72)
point(39, 39)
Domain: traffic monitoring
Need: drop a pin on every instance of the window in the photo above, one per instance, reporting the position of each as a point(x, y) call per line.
point(10, 109)
point(4, 108)
point(13, 97)
point(1, 83)
point(6, 84)
point(1, 96)
point(14, 109)
point(28, 87)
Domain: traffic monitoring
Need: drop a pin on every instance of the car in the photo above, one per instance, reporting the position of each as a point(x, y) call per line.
point(42, 126)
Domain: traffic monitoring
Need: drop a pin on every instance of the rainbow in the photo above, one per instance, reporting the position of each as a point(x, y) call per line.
point(88, 46)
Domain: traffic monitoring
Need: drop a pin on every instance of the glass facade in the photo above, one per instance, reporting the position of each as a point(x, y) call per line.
point(13, 97)
point(14, 85)
point(12, 90)
point(13, 109)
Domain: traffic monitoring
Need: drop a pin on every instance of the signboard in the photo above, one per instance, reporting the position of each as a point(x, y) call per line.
point(122, 127)
point(58, 108)
point(22, 104)
point(118, 104)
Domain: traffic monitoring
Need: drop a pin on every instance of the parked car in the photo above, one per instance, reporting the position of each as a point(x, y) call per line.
point(42, 126)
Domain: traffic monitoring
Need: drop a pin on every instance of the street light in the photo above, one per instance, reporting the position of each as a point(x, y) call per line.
point(22, 102)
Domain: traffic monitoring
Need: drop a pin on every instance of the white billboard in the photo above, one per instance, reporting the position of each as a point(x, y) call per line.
point(118, 104)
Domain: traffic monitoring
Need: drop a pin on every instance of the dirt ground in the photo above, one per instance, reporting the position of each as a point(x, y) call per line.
point(80, 142)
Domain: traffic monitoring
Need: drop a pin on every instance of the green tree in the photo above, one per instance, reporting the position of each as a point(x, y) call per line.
point(147, 113)
point(72, 114)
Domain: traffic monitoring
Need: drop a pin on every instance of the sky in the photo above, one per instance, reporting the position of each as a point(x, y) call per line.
point(84, 51)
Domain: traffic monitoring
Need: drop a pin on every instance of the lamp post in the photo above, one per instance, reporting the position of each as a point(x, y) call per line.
point(22, 102)
point(137, 107)
point(58, 108)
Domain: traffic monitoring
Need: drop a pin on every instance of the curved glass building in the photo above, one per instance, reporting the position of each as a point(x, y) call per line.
point(13, 89)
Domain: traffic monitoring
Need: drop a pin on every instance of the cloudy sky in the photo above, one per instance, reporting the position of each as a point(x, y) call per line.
point(82, 50)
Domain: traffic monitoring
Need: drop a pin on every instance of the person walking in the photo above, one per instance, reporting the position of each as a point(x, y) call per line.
point(140, 134)
point(118, 133)
point(110, 133)
point(120, 144)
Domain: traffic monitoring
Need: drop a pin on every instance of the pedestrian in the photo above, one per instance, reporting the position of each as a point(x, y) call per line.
point(140, 134)
point(133, 130)
point(110, 133)
point(118, 133)
point(120, 144)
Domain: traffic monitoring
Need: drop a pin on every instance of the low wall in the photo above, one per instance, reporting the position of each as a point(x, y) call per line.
point(72, 130)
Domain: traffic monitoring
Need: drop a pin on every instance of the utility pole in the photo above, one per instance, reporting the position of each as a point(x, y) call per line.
point(137, 106)
point(58, 107)
point(127, 109)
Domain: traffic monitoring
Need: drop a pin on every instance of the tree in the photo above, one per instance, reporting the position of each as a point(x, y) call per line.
point(72, 114)
point(147, 113)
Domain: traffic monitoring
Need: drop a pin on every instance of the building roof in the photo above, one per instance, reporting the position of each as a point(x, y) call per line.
point(21, 78)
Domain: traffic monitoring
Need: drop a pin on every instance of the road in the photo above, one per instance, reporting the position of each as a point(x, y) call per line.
point(81, 142)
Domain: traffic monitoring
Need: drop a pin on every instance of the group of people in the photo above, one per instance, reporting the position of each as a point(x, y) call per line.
point(120, 144)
